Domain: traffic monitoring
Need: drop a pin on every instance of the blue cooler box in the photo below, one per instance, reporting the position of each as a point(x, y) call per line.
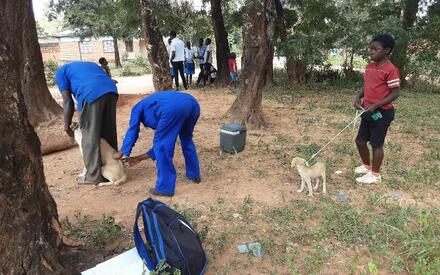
point(233, 138)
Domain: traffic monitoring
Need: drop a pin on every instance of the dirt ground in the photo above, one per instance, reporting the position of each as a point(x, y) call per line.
point(266, 178)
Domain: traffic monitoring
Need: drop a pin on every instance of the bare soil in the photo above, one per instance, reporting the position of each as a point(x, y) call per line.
point(264, 175)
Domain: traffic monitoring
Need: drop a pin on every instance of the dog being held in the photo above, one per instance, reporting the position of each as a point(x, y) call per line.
point(310, 173)
point(112, 169)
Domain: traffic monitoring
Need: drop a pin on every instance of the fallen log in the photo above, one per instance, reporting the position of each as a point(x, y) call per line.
point(52, 136)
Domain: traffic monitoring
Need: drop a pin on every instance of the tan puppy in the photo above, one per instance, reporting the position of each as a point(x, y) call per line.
point(310, 173)
point(112, 169)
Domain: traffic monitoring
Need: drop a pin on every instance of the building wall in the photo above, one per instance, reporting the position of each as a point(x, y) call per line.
point(67, 49)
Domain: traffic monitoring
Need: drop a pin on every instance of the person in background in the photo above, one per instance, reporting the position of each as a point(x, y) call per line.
point(177, 58)
point(189, 62)
point(170, 114)
point(169, 56)
point(212, 74)
point(201, 59)
point(232, 65)
point(207, 58)
point(104, 65)
point(381, 88)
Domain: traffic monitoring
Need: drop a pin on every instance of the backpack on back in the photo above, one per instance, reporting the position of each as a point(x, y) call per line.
point(169, 238)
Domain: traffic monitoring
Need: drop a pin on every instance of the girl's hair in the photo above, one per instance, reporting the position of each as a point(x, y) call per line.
point(386, 40)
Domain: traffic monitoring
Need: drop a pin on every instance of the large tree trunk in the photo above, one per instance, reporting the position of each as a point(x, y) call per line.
point(399, 57)
point(41, 107)
point(117, 57)
point(221, 43)
point(247, 107)
point(29, 239)
point(269, 69)
point(157, 52)
point(39, 102)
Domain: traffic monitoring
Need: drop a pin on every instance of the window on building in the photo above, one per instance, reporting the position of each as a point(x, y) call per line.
point(129, 46)
point(108, 46)
point(85, 46)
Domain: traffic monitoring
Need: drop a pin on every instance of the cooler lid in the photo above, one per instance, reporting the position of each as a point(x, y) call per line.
point(234, 127)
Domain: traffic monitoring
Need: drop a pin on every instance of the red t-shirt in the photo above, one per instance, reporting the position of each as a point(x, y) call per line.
point(378, 82)
point(232, 65)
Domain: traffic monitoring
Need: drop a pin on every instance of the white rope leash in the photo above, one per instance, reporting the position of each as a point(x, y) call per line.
point(348, 125)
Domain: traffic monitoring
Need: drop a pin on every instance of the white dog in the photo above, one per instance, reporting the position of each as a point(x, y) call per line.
point(112, 169)
point(310, 173)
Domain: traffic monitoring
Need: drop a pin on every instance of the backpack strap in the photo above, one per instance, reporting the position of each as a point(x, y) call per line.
point(140, 245)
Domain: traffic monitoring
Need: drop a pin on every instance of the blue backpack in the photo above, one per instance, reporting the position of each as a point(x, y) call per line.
point(169, 240)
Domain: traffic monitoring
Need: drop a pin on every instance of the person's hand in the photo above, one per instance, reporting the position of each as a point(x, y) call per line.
point(370, 109)
point(117, 155)
point(132, 161)
point(358, 103)
point(69, 131)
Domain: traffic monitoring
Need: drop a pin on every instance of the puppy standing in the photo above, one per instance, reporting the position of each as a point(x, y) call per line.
point(309, 173)
point(112, 169)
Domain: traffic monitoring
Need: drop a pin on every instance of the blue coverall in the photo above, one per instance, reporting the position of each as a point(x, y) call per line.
point(170, 113)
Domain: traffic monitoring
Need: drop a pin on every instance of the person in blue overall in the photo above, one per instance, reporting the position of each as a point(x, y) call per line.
point(170, 114)
point(96, 95)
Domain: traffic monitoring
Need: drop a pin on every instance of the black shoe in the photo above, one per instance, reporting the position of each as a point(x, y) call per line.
point(155, 193)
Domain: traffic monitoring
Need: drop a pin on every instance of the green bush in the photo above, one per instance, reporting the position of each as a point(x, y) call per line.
point(143, 63)
point(50, 67)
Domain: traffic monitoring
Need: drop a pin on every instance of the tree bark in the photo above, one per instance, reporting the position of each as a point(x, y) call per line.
point(296, 71)
point(399, 56)
point(292, 66)
point(39, 102)
point(221, 43)
point(157, 52)
point(117, 57)
point(247, 107)
point(269, 82)
point(29, 239)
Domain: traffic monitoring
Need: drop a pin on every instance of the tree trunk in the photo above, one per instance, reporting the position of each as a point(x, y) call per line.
point(296, 71)
point(399, 56)
point(39, 102)
point(157, 52)
point(269, 81)
point(221, 43)
point(247, 107)
point(29, 239)
point(117, 57)
point(290, 61)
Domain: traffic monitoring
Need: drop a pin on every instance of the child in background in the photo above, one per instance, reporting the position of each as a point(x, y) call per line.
point(104, 65)
point(189, 62)
point(201, 58)
point(212, 74)
point(381, 88)
point(232, 65)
